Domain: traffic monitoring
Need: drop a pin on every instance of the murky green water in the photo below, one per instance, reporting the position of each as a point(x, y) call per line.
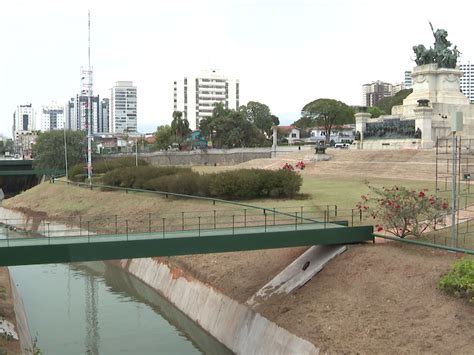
point(92, 308)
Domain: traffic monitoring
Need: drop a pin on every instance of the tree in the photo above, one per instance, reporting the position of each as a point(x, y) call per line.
point(164, 136)
point(402, 212)
point(387, 103)
point(179, 125)
point(48, 151)
point(259, 114)
point(6, 146)
point(327, 113)
point(375, 111)
point(230, 128)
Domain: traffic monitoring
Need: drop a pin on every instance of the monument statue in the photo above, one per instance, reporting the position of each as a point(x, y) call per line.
point(441, 54)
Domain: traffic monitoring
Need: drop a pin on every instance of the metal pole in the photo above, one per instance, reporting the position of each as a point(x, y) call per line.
point(136, 153)
point(454, 192)
point(65, 150)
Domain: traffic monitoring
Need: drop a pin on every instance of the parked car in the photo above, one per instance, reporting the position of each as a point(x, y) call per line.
point(342, 145)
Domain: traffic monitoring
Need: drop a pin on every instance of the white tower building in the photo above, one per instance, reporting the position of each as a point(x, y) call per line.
point(23, 119)
point(52, 117)
point(196, 96)
point(123, 107)
point(466, 82)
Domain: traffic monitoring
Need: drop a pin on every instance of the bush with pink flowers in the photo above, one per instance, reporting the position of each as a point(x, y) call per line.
point(300, 165)
point(403, 212)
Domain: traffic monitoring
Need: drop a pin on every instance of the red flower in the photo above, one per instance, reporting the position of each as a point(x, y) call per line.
point(421, 194)
point(445, 205)
point(379, 228)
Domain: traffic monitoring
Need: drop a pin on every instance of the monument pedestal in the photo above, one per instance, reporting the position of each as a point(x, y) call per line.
point(423, 121)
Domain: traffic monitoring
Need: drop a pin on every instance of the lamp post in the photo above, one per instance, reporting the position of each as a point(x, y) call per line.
point(65, 150)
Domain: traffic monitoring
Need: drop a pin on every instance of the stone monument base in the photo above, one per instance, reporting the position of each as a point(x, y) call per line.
point(321, 157)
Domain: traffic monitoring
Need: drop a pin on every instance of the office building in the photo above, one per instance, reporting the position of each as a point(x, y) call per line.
point(77, 115)
point(466, 82)
point(374, 92)
point(123, 107)
point(103, 126)
point(24, 130)
point(408, 82)
point(24, 118)
point(196, 96)
point(52, 117)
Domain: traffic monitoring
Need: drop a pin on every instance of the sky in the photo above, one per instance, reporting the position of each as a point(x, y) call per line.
point(285, 53)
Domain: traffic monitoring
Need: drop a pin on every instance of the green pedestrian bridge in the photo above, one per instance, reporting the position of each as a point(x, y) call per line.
point(44, 242)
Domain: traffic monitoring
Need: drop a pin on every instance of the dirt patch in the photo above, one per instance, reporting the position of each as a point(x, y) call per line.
point(239, 274)
point(380, 298)
point(7, 312)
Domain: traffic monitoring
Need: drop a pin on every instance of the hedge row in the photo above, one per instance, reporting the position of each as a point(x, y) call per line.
point(79, 171)
point(236, 184)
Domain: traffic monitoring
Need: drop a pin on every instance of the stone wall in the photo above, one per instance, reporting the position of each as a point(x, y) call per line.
point(213, 156)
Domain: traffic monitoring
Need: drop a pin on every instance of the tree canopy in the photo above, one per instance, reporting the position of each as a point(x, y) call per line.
point(48, 151)
point(375, 112)
point(259, 114)
point(326, 113)
point(387, 103)
point(228, 128)
point(180, 125)
point(164, 136)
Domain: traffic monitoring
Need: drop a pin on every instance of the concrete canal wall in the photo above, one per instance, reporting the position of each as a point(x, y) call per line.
point(235, 325)
point(24, 336)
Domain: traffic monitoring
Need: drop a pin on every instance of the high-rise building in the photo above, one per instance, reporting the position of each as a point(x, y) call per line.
point(24, 118)
point(52, 117)
point(466, 82)
point(24, 129)
point(196, 96)
point(408, 82)
point(123, 107)
point(374, 92)
point(103, 126)
point(77, 114)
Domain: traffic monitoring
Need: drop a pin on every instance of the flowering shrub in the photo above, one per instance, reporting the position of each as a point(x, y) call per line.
point(300, 165)
point(402, 212)
point(288, 167)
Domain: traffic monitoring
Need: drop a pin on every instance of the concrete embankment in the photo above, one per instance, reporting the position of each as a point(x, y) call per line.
point(26, 342)
point(235, 325)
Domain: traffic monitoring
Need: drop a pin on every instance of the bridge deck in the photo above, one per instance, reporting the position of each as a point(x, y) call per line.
point(44, 250)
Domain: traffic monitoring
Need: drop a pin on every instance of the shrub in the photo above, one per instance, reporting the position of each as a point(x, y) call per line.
point(460, 281)
point(403, 212)
point(138, 177)
point(236, 184)
point(182, 183)
point(79, 171)
point(254, 183)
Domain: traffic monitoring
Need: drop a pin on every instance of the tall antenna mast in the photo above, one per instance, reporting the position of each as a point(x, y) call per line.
point(89, 103)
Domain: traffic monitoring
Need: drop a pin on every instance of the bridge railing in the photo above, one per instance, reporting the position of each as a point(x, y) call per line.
point(234, 219)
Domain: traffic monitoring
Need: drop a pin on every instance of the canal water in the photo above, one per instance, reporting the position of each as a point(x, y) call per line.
point(95, 308)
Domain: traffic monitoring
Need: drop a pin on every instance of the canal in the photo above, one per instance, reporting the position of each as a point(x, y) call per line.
point(95, 308)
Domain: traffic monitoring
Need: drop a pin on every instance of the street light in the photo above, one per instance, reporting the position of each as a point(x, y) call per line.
point(65, 150)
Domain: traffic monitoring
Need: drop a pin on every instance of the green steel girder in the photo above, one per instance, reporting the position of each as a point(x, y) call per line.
point(154, 246)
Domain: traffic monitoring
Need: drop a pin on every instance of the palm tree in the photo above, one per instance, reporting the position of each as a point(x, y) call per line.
point(179, 125)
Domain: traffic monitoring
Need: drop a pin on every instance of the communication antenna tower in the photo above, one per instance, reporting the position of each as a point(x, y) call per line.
point(87, 90)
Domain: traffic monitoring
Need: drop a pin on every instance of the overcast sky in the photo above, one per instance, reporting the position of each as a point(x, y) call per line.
point(285, 53)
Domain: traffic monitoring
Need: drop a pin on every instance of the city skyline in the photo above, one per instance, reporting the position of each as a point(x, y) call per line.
point(285, 53)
